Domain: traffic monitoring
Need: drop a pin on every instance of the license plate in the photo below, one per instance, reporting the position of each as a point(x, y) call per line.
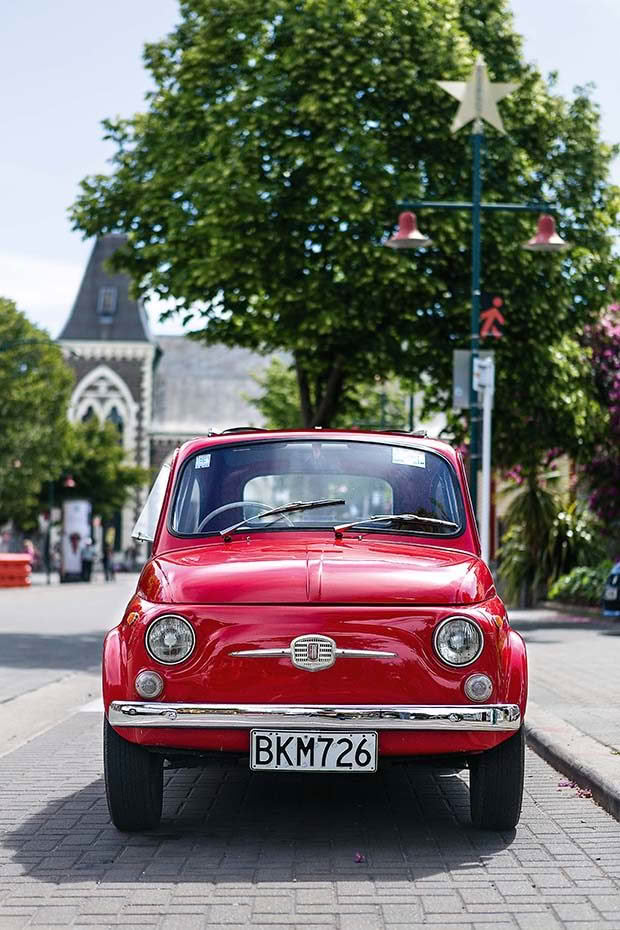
point(303, 751)
point(611, 593)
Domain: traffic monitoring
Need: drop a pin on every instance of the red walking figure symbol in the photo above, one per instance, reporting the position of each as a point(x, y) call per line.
point(491, 318)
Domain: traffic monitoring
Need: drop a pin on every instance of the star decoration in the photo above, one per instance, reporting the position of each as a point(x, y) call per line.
point(478, 97)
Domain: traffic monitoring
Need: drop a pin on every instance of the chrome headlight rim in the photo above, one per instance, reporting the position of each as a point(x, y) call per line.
point(183, 620)
point(438, 630)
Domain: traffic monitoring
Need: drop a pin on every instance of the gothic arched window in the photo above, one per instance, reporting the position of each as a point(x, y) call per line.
point(115, 418)
point(103, 394)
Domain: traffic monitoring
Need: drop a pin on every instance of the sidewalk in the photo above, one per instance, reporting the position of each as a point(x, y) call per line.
point(573, 716)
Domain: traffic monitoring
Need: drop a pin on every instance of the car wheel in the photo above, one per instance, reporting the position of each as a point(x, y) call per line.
point(496, 784)
point(134, 782)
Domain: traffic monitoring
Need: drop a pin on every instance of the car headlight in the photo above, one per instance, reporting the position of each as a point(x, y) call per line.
point(170, 639)
point(458, 641)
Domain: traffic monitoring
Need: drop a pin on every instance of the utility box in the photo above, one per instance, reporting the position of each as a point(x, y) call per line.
point(461, 376)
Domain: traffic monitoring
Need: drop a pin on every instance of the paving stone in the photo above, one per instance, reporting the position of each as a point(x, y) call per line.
point(544, 920)
point(607, 902)
point(182, 922)
point(484, 895)
point(362, 922)
point(272, 905)
point(59, 916)
point(401, 913)
point(443, 904)
point(572, 912)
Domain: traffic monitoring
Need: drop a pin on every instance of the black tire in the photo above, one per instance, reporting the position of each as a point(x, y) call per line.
point(134, 782)
point(496, 784)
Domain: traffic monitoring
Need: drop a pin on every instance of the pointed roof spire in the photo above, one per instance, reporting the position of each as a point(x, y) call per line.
point(103, 309)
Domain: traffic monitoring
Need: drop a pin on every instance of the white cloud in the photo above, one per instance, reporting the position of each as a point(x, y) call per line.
point(45, 289)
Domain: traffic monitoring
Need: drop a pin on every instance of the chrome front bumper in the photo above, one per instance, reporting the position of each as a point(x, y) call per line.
point(490, 717)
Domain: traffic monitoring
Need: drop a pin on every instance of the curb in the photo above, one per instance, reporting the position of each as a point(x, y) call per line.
point(584, 760)
point(562, 607)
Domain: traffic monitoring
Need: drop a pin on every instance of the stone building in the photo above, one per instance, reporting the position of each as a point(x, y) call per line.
point(158, 390)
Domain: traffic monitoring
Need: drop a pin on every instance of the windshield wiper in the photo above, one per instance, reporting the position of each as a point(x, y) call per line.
point(395, 518)
point(285, 508)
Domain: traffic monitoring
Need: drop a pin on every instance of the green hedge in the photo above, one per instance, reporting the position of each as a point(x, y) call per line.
point(583, 585)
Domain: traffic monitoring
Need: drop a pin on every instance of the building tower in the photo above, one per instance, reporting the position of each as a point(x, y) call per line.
point(112, 355)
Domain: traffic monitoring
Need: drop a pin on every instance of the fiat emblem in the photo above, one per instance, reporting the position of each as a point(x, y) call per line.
point(313, 652)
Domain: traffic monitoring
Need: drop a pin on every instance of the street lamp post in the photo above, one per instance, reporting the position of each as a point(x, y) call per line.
point(478, 100)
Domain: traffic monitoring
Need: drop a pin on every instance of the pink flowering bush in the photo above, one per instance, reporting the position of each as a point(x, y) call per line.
point(602, 471)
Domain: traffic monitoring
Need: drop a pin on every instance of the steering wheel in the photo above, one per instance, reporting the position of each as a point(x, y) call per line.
point(233, 504)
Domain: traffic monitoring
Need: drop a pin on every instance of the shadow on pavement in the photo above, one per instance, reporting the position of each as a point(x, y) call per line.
point(226, 824)
point(75, 651)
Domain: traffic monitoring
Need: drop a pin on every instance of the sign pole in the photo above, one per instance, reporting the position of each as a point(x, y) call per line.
point(484, 376)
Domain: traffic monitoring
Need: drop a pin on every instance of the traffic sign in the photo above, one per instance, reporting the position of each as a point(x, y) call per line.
point(491, 316)
point(461, 376)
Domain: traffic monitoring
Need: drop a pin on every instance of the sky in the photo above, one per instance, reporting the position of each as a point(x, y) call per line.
point(66, 65)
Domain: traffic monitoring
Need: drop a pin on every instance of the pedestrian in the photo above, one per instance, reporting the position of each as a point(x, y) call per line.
point(108, 554)
point(29, 549)
point(88, 557)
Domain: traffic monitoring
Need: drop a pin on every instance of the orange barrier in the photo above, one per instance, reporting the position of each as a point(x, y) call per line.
point(15, 570)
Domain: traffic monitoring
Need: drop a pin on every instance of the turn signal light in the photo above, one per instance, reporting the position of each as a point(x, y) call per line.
point(479, 688)
point(149, 685)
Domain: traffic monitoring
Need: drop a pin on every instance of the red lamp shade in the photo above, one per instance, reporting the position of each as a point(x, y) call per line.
point(546, 238)
point(408, 236)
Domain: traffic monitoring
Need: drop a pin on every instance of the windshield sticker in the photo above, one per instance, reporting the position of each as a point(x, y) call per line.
point(410, 457)
point(203, 461)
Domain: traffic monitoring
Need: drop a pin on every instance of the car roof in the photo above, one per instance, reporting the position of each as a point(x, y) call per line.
point(416, 439)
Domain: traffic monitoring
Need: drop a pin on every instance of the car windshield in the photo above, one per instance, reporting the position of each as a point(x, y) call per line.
point(227, 484)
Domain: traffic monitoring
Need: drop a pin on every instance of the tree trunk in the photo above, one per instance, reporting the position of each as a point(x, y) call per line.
point(304, 393)
point(320, 410)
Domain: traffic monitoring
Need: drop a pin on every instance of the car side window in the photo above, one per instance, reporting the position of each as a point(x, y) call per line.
point(188, 502)
point(146, 524)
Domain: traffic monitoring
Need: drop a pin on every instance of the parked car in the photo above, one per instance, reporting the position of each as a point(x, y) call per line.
point(611, 593)
point(316, 602)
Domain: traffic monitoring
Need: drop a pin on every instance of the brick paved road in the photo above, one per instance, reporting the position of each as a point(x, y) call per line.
point(258, 851)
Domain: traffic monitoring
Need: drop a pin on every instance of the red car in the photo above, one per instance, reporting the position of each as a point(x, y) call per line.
point(315, 601)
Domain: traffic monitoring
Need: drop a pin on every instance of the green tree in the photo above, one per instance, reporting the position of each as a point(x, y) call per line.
point(264, 173)
point(35, 384)
point(95, 460)
point(375, 405)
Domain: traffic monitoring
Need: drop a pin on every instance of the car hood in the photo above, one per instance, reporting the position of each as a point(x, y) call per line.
point(252, 571)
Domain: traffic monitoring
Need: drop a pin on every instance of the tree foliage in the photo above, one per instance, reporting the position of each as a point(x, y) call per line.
point(582, 585)
point(35, 384)
point(94, 458)
point(371, 406)
point(266, 169)
point(602, 470)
